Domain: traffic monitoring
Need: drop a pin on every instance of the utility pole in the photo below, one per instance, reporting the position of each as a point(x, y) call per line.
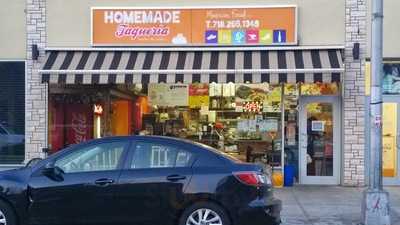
point(376, 210)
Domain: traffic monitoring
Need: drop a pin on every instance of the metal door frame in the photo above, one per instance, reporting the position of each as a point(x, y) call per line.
point(331, 180)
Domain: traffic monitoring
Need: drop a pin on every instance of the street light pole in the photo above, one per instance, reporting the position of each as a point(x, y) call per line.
point(376, 210)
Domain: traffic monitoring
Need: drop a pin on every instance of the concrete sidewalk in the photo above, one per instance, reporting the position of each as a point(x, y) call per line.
point(328, 205)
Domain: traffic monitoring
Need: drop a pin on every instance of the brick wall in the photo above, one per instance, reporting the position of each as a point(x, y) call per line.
point(36, 92)
point(353, 94)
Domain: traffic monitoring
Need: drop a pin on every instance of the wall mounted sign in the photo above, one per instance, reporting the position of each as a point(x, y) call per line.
point(169, 94)
point(98, 109)
point(274, 25)
point(198, 95)
point(318, 125)
point(252, 106)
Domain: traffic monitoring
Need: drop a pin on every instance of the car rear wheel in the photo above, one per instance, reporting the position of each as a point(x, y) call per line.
point(204, 213)
point(7, 216)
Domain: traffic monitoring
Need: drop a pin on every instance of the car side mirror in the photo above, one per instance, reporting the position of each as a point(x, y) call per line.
point(33, 162)
point(53, 172)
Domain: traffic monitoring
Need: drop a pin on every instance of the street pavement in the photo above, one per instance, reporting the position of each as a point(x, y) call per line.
point(328, 205)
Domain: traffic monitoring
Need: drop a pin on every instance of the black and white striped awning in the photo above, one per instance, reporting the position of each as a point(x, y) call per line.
point(106, 66)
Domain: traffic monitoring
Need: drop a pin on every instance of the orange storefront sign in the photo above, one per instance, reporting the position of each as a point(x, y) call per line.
point(197, 26)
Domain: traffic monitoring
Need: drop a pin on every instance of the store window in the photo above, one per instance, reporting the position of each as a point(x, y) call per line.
point(12, 112)
point(391, 79)
point(250, 122)
point(320, 89)
point(243, 120)
point(291, 147)
point(79, 113)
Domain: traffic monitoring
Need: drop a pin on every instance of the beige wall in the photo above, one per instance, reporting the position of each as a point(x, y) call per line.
point(12, 29)
point(391, 28)
point(321, 22)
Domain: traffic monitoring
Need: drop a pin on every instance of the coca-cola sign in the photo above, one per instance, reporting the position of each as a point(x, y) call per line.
point(79, 127)
point(79, 121)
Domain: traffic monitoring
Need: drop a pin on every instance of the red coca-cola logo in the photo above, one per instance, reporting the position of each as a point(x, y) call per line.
point(79, 127)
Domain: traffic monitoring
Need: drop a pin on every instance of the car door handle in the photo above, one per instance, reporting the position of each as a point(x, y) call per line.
point(175, 177)
point(103, 182)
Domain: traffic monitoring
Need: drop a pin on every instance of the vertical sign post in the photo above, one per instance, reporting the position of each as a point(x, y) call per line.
point(376, 210)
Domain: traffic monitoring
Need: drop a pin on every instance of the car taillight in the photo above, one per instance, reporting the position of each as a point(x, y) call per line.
point(252, 178)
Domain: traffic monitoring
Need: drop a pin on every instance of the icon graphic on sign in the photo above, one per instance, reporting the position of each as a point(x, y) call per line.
point(279, 36)
point(266, 36)
point(239, 37)
point(179, 39)
point(252, 36)
point(211, 37)
point(225, 36)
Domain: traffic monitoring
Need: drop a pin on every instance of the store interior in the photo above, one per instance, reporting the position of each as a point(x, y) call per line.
point(251, 122)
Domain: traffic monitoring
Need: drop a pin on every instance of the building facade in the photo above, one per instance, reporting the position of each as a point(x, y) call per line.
point(309, 80)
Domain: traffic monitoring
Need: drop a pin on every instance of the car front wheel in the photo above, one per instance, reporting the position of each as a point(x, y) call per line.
point(204, 213)
point(7, 216)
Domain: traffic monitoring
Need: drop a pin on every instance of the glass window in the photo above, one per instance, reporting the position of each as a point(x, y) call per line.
point(154, 155)
point(320, 89)
point(391, 78)
point(319, 139)
point(101, 157)
point(12, 112)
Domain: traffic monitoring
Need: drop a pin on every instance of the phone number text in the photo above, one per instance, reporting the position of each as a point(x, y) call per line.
point(232, 24)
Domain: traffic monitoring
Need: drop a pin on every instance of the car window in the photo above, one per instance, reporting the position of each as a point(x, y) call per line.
point(100, 157)
point(155, 155)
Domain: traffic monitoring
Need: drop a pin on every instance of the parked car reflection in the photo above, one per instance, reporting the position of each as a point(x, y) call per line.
point(11, 145)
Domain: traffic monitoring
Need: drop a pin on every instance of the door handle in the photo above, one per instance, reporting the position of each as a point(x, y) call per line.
point(175, 177)
point(103, 182)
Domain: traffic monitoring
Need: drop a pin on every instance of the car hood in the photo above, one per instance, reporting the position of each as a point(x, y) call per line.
point(13, 180)
point(14, 174)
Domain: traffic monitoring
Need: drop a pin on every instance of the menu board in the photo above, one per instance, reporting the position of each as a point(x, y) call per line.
point(169, 94)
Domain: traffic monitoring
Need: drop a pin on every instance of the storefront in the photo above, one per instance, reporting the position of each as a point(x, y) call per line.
point(390, 115)
point(237, 82)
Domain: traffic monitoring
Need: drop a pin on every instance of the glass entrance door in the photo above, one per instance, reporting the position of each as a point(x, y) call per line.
point(319, 147)
point(390, 141)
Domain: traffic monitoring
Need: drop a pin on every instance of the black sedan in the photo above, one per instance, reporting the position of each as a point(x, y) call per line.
point(138, 180)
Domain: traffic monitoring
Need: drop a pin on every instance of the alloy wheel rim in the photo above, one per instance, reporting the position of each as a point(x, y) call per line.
point(204, 217)
point(3, 220)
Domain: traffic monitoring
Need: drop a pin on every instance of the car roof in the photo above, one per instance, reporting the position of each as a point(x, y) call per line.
point(149, 138)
